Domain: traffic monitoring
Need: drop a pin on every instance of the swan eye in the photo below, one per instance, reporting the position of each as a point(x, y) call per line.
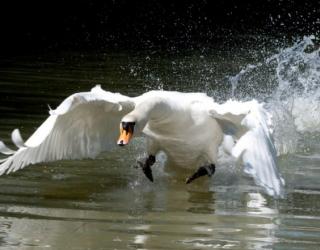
point(128, 126)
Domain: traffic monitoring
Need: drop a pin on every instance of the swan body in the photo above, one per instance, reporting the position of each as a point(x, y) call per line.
point(173, 126)
point(188, 127)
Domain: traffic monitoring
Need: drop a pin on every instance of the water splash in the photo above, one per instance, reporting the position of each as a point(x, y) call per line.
point(234, 80)
point(291, 91)
point(297, 71)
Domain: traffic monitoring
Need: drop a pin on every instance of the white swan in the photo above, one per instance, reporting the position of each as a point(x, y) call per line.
point(188, 127)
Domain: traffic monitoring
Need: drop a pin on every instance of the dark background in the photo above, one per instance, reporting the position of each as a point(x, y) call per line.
point(30, 26)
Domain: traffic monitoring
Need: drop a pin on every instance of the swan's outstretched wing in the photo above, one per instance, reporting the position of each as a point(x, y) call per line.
point(248, 124)
point(82, 126)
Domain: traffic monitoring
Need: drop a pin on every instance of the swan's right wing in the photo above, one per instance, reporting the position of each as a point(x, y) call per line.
point(247, 123)
point(82, 126)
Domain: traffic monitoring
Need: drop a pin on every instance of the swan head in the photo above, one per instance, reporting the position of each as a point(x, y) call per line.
point(133, 122)
point(126, 132)
point(136, 120)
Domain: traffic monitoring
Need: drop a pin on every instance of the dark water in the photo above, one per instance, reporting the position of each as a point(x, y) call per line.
point(107, 203)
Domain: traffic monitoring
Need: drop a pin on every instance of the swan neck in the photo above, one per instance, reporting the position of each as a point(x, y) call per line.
point(152, 109)
point(149, 110)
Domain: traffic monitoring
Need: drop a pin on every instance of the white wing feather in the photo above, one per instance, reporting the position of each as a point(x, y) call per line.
point(82, 126)
point(248, 123)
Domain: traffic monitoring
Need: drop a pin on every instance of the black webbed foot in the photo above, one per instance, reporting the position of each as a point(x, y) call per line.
point(148, 172)
point(202, 171)
point(146, 166)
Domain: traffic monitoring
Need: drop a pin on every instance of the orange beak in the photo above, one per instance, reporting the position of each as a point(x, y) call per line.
point(125, 136)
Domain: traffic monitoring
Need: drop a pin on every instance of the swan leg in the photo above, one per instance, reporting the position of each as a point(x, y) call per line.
point(146, 166)
point(202, 171)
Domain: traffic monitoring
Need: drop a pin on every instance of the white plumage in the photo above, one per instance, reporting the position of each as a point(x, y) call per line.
point(188, 127)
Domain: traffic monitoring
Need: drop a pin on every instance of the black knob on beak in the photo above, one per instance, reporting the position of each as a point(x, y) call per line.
point(120, 143)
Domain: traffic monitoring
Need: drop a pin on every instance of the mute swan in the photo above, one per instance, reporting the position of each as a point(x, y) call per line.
point(188, 127)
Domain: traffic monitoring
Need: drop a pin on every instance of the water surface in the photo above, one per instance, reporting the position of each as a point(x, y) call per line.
point(107, 203)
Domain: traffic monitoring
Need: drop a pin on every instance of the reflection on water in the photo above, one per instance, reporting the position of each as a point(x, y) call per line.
point(107, 203)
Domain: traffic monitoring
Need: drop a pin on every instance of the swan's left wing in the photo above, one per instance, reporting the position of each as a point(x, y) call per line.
point(82, 126)
point(248, 124)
